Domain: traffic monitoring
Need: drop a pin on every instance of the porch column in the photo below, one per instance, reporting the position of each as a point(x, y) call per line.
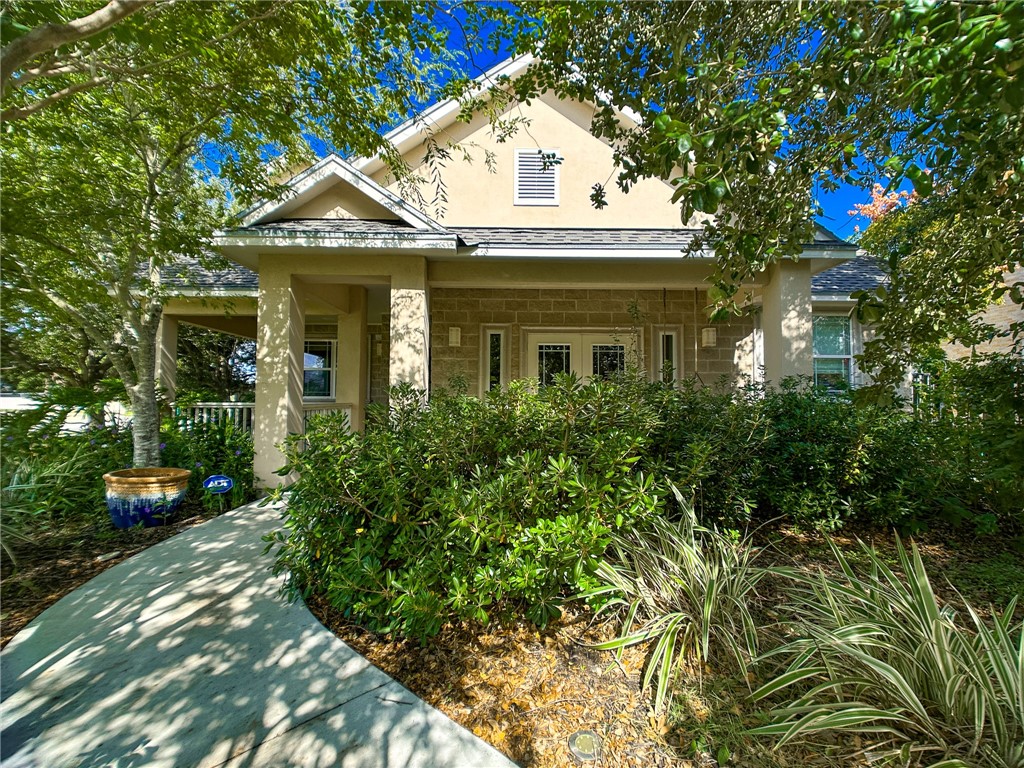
point(280, 328)
point(409, 325)
point(351, 383)
point(167, 356)
point(786, 321)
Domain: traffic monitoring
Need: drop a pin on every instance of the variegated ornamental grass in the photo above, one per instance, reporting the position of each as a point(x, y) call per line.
point(687, 589)
point(878, 654)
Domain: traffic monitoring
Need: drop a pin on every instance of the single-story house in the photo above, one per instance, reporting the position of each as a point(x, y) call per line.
point(351, 282)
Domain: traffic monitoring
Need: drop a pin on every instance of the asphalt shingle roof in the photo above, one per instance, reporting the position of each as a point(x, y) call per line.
point(192, 274)
point(860, 274)
point(577, 238)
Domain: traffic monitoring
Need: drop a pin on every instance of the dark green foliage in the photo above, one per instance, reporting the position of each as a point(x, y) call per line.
point(975, 407)
point(467, 508)
point(212, 449)
point(52, 479)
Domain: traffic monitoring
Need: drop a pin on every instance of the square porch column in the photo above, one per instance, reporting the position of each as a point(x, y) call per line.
point(410, 332)
point(167, 356)
point(352, 355)
point(786, 322)
point(280, 331)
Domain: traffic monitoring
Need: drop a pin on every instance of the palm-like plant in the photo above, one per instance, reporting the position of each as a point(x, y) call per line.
point(879, 655)
point(684, 587)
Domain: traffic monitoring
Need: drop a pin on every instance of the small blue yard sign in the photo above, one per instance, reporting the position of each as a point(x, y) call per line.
point(218, 484)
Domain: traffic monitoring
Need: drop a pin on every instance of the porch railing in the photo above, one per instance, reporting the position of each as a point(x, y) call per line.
point(242, 415)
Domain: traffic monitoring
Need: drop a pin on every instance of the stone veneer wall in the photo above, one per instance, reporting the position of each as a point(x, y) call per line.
point(471, 309)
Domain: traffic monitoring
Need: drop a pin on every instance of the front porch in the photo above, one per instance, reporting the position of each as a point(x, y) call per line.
point(331, 335)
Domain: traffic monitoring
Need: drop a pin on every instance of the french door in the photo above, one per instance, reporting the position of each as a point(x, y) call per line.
point(549, 353)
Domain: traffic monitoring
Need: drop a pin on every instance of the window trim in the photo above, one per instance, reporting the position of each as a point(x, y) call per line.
point(333, 371)
point(517, 198)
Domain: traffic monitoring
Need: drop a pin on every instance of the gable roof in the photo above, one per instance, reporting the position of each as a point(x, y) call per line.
point(325, 173)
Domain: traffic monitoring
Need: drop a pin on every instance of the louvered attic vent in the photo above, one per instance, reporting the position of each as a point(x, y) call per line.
point(536, 184)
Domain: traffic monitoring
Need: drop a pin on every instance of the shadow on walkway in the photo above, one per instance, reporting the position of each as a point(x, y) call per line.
point(186, 655)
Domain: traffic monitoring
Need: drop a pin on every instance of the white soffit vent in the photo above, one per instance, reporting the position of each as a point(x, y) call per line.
point(536, 177)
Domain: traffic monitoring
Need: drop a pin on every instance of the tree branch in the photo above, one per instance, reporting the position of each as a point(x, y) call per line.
point(49, 37)
point(20, 113)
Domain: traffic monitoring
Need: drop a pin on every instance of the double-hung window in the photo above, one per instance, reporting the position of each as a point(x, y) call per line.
point(318, 370)
point(833, 352)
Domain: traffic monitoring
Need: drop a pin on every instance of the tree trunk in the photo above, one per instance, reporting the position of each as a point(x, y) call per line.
point(145, 410)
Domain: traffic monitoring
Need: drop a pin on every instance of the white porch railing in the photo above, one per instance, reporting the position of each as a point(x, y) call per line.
point(242, 415)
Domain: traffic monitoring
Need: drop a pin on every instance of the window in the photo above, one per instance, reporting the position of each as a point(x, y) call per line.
point(666, 356)
point(536, 177)
point(833, 357)
point(494, 359)
point(318, 369)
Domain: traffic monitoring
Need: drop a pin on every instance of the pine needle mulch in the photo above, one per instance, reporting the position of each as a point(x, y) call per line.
point(524, 690)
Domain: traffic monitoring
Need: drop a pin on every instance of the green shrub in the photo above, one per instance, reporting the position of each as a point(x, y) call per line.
point(878, 655)
point(49, 479)
point(685, 588)
point(465, 508)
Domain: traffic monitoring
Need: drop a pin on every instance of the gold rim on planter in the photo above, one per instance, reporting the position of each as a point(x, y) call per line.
point(147, 480)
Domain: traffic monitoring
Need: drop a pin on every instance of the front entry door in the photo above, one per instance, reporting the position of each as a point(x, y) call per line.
point(585, 354)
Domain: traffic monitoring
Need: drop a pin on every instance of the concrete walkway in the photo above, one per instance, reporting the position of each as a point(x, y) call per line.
point(185, 656)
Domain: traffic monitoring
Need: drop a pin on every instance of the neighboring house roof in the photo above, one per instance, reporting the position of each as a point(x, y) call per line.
point(859, 274)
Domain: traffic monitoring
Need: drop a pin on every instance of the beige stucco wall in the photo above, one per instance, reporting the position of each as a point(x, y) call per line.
point(477, 197)
point(787, 321)
point(341, 201)
point(519, 310)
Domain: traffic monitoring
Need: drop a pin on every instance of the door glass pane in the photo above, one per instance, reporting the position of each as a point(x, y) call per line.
point(831, 335)
point(494, 362)
point(552, 359)
point(316, 383)
point(609, 359)
point(833, 372)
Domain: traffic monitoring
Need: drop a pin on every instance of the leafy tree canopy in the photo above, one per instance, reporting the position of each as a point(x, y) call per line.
point(112, 137)
point(749, 108)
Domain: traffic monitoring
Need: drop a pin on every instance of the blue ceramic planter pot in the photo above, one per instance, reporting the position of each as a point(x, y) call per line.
point(147, 495)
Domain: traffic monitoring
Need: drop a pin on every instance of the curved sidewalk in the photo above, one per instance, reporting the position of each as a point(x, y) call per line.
point(185, 655)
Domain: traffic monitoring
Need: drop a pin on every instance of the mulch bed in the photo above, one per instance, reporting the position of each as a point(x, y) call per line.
point(526, 690)
point(58, 562)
